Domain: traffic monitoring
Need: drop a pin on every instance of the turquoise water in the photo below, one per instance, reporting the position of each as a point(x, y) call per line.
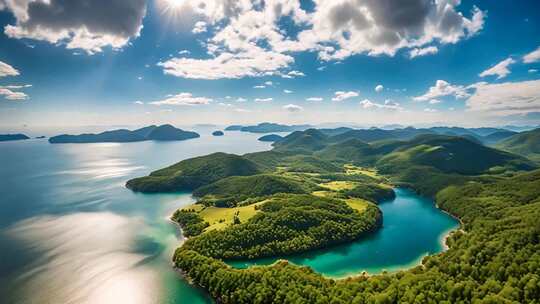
point(412, 228)
point(71, 233)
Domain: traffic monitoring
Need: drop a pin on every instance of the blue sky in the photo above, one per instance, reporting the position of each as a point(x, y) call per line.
point(176, 61)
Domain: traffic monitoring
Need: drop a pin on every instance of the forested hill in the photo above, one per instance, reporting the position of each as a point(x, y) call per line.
point(525, 143)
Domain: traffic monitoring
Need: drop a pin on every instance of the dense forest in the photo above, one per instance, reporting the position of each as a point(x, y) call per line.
point(300, 192)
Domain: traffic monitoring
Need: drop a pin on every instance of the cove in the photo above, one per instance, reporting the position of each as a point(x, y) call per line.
point(412, 228)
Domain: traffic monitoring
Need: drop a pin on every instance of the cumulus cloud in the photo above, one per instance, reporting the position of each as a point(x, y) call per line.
point(182, 99)
point(138, 102)
point(248, 39)
point(505, 98)
point(200, 27)
point(241, 99)
point(7, 70)
point(379, 88)
point(259, 87)
point(293, 108)
point(342, 95)
point(416, 52)
point(532, 71)
point(77, 24)
point(287, 91)
point(314, 99)
point(500, 69)
point(441, 89)
point(388, 104)
point(263, 99)
point(532, 57)
point(430, 110)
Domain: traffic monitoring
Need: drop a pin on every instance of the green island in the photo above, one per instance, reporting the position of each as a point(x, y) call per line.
point(320, 188)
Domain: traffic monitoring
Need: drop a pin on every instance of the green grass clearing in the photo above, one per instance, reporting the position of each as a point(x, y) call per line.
point(338, 185)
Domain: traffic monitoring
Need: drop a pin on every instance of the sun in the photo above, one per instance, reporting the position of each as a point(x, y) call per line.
point(170, 7)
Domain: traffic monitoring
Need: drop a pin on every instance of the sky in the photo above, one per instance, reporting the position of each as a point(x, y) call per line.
point(367, 62)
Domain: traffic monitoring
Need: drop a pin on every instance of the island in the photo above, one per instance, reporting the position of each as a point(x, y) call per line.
point(234, 128)
point(41, 137)
point(157, 133)
point(270, 138)
point(321, 188)
point(218, 133)
point(12, 137)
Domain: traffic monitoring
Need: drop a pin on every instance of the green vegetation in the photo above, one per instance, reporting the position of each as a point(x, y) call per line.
point(288, 223)
point(192, 224)
point(371, 192)
point(270, 138)
point(526, 144)
point(495, 260)
point(10, 137)
point(230, 191)
point(193, 173)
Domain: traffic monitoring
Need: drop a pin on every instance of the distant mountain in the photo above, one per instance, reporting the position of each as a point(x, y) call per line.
point(11, 137)
point(234, 128)
point(271, 138)
point(267, 127)
point(525, 143)
point(218, 133)
point(519, 128)
point(161, 133)
point(498, 136)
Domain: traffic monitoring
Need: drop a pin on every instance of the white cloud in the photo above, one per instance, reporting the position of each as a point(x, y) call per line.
point(184, 52)
point(223, 104)
point(379, 88)
point(77, 24)
point(287, 91)
point(240, 110)
point(200, 27)
point(430, 110)
point(9, 94)
point(249, 40)
point(268, 83)
point(505, 98)
point(241, 99)
point(293, 108)
point(341, 95)
point(434, 101)
point(254, 63)
point(416, 52)
point(441, 89)
point(182, 99)
point(500, 69)
point(388, 104)
point(138, 102)
point(321, 68)
point(533, 56)
point(263, 99)
point(7, 70)
point(314, 99)
point(259, 87)
point(533, 71)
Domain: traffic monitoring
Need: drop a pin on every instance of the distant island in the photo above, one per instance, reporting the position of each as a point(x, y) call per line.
point(270, 138)
point(234, 128)
point(41, 137)
point(218, 133)
point(11, 137)
point(267, 127)
point(158, 133)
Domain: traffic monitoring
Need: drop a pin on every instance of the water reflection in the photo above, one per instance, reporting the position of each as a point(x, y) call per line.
point(83, 258)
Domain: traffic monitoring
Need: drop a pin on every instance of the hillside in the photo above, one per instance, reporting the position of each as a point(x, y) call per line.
point(231, 190)
point(270, 138)
point(195, 172)
point(451, 154)
point(302, 141)
point(159, 133)
point(526, 144)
